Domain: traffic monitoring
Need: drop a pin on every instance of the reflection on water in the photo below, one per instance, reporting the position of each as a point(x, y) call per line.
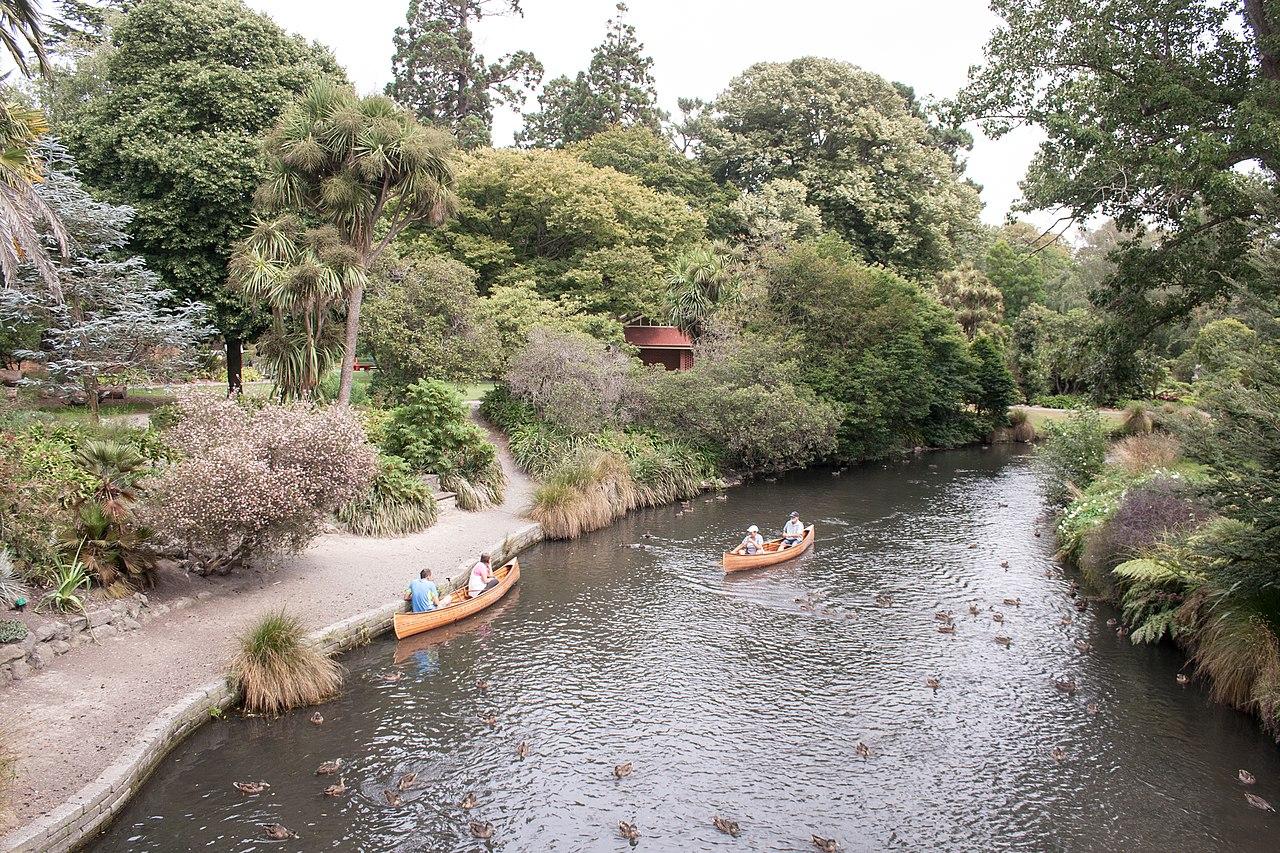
point(747, 696)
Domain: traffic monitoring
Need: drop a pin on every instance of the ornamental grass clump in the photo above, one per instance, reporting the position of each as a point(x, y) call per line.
point(397, 503)
point(1022, 430)
point(1137, 454)
point(584, 494)
point(277, 668)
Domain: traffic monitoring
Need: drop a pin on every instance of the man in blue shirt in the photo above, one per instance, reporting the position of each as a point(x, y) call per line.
point(423, 595)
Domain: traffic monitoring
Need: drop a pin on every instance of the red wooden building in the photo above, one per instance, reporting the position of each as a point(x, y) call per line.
point(664, 345)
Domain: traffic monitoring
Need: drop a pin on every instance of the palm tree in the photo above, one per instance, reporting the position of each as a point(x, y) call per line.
point(977, 303)
point(364, 167)
point(695, 283)
point(22, 209)
point(22, 21)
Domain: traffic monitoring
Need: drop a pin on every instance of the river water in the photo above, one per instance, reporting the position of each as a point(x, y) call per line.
point(732, 698)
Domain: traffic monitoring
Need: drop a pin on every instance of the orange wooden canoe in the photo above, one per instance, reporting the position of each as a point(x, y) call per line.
point(772, 554)
point(460, 606)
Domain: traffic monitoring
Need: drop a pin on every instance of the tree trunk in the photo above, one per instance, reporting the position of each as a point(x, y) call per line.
point(349, 345)
point(235, 366)
point(91, 397)
point(1265, 37)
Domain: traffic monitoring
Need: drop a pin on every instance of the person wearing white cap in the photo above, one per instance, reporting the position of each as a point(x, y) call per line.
point(753, 544)
point(793, 532)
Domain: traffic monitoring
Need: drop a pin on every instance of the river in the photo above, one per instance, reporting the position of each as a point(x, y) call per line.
point(733, 696)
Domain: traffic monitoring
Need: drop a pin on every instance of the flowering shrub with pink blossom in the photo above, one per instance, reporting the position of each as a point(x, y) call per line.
point(255, 482)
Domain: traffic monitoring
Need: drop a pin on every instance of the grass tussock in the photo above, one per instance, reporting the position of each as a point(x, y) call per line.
point(585, 493)
point(1137, 420)
point(1020, 427)
point(1240, 655)
point(277, 668)
point(1137, 454)
point(487, 489)
point(397, 503)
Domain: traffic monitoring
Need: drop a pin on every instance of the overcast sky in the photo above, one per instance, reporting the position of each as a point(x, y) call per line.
point(699, 45)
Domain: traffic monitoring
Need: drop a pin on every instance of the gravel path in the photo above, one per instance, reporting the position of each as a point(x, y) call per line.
point(70, 721)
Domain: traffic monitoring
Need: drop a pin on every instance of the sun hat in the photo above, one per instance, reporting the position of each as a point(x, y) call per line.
point(795, 515)
point(753, 529)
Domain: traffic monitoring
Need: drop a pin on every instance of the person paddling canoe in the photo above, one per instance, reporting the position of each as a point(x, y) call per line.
point(752, 544)
point(423, 594)
point(793, 531)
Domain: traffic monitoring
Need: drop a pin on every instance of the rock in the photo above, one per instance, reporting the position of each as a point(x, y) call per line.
point(61, 631)
point(28, 642)
point(40, 656)
point(98, 616)
point(130, 624)
point(203, 594)
point(118, 606)
point(76, 640)
point(133, 610)
point(140, 597)
point(181, 603)
point(60, 647)
point(103, 632)
point(158, 610)
point(19, 669)
point(12, 652)
point(46, 632)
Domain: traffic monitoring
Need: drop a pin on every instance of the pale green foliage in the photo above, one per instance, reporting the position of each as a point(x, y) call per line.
point(397, 503)
point(778, 212)
point(977, 304)
point(866, 160)
point(1073, 454)
point(697, 280)
point(510, 313)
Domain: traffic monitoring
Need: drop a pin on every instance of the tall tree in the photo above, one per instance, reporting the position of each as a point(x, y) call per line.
point(873, 168)
point(362, 167)
point(976, 302)
point(617, 89)
point(22, 208)
point(1161, 114)
point(22, 30)
point(437, 73)
point(166, 119)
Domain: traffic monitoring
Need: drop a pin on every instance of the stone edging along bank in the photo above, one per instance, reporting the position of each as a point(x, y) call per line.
point(92, 807)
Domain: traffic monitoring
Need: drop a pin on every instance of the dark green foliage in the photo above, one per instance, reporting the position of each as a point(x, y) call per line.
point(996, 389)
point(12, 631)
point(168, 119)
point(437, 73)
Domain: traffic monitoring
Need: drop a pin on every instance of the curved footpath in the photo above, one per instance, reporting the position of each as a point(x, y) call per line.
point(89, 729)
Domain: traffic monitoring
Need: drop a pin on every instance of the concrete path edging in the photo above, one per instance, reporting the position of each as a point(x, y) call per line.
point(91, 808)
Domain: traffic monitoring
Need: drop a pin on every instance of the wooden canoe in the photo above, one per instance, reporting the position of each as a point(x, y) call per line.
point(772, 554)
point(460, 606)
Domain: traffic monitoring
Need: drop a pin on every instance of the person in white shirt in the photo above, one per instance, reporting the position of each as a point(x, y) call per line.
point(481, 577)
point(793, 531)
point(752, 544)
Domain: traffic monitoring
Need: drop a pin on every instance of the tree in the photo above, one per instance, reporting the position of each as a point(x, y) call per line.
point(22, 29)
point(976, 302)
point(420, 321)
point(616, 90)
point(437, 73)
point(640, 152)
point(361, 166)
point(509, 313)
point(778, 213)
point(1154, 114)
point(996, 388)
point(22, 207)
point(166, 119)
point(548, 217)
point(1018, 275)
point(868, 164)
point(695, 282)
point(110, 315)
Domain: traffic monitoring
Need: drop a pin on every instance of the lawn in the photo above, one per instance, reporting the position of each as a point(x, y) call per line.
point(1039, 416)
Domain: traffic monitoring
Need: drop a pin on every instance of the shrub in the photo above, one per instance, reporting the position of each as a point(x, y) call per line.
point(1137, 454)
point(1020, 422)
point(68, 578)
point(276, 668)
point(12, 587)
point(1137, 419)
point(572, 379)
point(433, 433)
point(1073, 454)
point(256, 482)
point(12, 631)
point(327, 388)
point(396, 504)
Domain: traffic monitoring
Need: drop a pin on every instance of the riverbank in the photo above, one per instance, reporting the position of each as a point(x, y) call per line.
point(110, 693)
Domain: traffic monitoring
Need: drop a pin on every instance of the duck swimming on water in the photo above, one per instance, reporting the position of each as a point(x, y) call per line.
point(250, 787)
point(728, 827)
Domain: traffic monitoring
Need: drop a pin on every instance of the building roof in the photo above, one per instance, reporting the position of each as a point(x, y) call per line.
point(654, 337)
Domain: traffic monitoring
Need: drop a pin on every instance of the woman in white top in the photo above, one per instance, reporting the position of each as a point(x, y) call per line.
point(481, 577)
point(752, 544)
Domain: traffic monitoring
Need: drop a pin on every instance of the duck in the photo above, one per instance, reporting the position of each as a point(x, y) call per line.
point(1245, 777)
point(1111, 623)
point(863, 750)
point(973, 546)
point(392, 798)
point(997, 616)
point(277, 831)
point(728, 827)
point(251, 787)
point(1083, 646)
point(522, 751)
point(329, 767)
point(1059, 754)
point(1004, 564)
point(1121, 632)
point(628, 830)
point(1013, 602)
point(1082, 605)
point(482, 685)
point(1065, 620)
point(317, 719)
point(1182, 679)
point(336, 790)
point(1091, 709)
point(393, 677)
point(1257, 802)
point(943, 616)
point(883, 600)
point(722, 497)
point(947, 629)
point(1066, 686)
point(407, 781)
point(973, 610)
point(481, 830)
point(1001, 504)
point(826, 845)
point(468, 802)
point(623, 769)
point(1037, 534)
point(490, 720)
point(1003, 640)
point(932, 683)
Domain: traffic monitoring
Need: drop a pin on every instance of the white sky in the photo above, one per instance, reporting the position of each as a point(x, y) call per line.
point(699, 45)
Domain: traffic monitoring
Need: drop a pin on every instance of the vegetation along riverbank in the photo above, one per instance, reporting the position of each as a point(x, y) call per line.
point(250, 305)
